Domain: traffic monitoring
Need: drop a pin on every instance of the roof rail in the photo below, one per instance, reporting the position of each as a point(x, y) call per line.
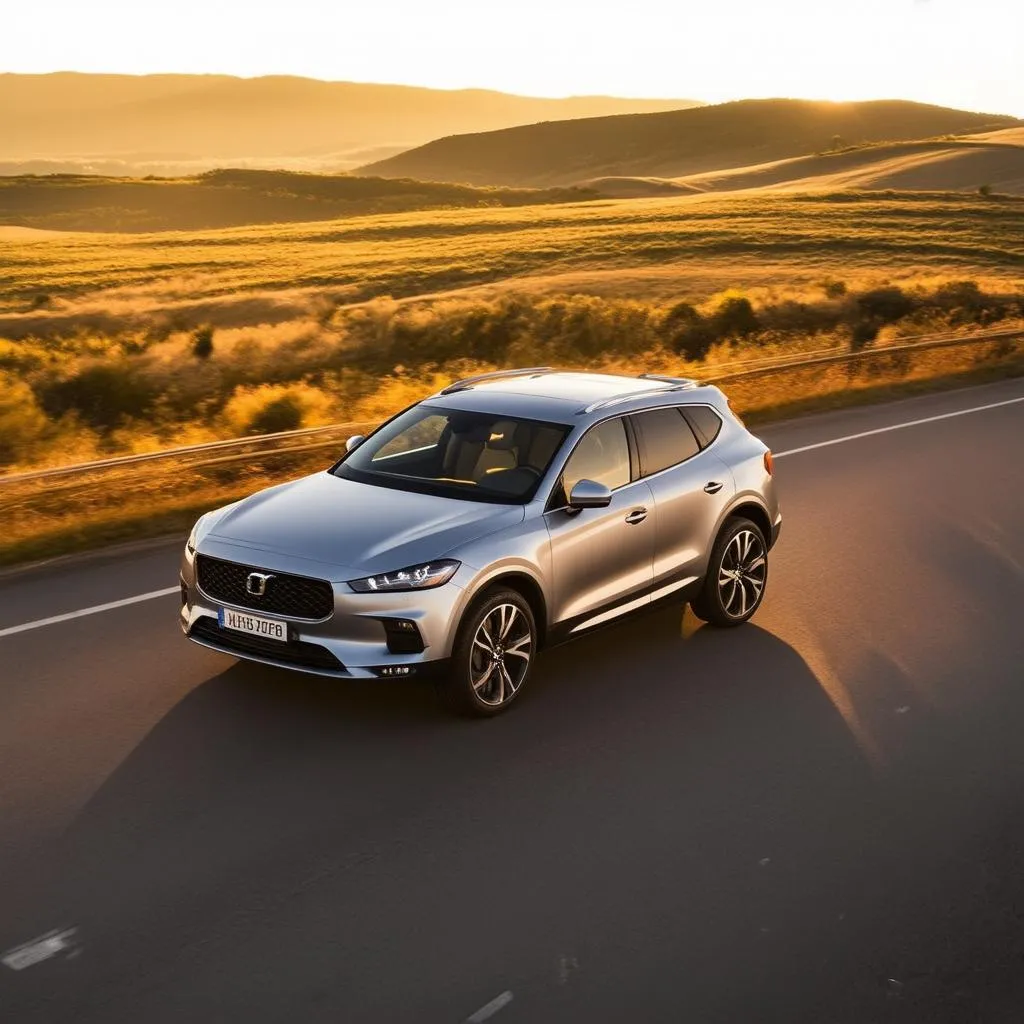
point(666, 384)
point(468, 382)
point(681, 382)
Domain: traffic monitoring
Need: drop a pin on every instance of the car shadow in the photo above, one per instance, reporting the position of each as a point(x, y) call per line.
point(653, 799)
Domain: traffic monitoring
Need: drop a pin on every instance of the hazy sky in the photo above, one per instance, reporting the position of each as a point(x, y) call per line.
point(954, 52)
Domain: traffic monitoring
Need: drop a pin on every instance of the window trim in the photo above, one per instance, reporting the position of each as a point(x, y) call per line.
point(718, 416)
point(642, 444)
point(632, 443)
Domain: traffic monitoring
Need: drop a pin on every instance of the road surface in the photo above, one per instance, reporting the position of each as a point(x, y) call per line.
point(817, 817)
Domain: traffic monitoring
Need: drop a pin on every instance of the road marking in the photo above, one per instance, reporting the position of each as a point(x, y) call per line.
point(94, 610)
point(896, 426)
point(490, 1009)
point(110, 605)
point(35, 951)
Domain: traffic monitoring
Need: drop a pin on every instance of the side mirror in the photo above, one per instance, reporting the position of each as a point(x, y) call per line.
point(589, 494)
point(354, 442)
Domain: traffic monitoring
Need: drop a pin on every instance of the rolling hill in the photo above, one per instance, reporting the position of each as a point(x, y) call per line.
point(173, 124)
point(231, 198)
point(676, 143)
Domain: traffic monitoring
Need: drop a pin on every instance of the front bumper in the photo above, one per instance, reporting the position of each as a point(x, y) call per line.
point(352, 643)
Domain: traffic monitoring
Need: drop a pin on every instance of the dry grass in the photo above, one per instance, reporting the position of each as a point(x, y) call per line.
point(269, 273)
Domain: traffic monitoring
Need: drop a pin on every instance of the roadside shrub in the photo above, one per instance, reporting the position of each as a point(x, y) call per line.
point(685, 331)
point(271, 408)
point(862, 333)
point(22, 422)
point(735, 317)
point(103, 394)
point(833, 288)
point(885, 304)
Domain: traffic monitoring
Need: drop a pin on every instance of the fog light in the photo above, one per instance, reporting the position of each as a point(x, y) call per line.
point(403, 636)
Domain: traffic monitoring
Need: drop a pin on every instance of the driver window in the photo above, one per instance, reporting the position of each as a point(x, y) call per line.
point(602, 456)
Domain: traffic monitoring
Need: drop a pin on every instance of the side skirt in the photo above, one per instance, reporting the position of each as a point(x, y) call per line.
point(675, 592)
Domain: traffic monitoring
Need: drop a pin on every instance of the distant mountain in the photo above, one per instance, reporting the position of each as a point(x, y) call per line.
point(176, 123)
point(676, 143)
point(231, 198)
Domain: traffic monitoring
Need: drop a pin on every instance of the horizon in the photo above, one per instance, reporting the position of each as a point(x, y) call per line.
point(893, 49)
point(523, 95)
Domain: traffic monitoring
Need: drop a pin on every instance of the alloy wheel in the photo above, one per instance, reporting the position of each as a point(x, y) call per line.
point(500, 659)
point(742, 574)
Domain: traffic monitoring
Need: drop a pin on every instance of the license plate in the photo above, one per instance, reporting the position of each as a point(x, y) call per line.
point(243, 622)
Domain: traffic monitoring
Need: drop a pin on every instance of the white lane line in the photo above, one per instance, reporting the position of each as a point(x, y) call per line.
point(490, 1009)
point(10, 630)
point(95, 609)
point(35, 951)
point(896, 426)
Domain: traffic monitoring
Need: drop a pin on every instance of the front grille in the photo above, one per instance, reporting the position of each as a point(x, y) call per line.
point(295, 652)
point(297, 596)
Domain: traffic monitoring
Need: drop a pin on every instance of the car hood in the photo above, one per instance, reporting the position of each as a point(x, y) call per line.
point(356, 528)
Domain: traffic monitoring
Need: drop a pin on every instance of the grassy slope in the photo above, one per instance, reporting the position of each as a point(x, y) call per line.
point(166, 120)
point(675, 143)
point(272, 273)
point(232, 197)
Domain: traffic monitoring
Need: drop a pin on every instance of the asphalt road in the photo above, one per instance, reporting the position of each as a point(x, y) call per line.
point(817, 817)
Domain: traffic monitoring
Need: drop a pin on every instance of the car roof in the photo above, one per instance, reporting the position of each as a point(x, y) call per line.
point(556, 395)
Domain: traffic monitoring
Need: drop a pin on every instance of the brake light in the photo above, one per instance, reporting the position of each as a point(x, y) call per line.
point(769, 463)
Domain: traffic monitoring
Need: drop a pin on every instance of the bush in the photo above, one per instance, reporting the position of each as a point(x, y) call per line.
point(103, 394)
point(833, 289)
point(22, 422)
point(862, 333)
point(685, 331)
point(271, 408)
point(985, 190)
point(735, 317)
point(202, 343)
point(886, 305)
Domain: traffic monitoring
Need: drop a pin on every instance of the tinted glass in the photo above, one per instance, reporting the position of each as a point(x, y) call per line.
point(481, 456)
point(705, 422)
point(667, 439)
point(602, 456)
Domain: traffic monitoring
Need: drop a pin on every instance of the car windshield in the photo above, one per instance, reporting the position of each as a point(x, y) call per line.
point(470, 455)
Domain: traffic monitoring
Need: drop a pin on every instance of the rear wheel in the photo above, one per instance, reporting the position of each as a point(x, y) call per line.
point(737, 575)
point(492, 656)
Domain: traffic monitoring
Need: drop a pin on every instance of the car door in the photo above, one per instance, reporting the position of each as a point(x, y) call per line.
point(601, 558)
point(691, 489)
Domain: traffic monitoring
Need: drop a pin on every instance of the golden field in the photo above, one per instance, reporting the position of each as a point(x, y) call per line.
point(119, 343)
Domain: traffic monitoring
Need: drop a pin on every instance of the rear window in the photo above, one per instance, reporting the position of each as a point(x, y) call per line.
point(667, 439)
point(706, 423)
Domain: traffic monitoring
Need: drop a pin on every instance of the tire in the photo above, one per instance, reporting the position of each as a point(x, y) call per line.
point(492, 656)
point(737, 575)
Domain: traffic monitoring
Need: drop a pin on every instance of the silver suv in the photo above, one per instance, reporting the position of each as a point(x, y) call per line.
point(504, 514)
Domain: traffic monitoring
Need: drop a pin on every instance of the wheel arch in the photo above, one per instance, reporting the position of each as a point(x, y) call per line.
point(525, 585)
point(756, 513)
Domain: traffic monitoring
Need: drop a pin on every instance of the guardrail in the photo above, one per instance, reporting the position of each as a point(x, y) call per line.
point(69, 507)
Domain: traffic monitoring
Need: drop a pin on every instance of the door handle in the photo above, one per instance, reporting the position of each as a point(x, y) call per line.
point(638, 515)
point(712, 487)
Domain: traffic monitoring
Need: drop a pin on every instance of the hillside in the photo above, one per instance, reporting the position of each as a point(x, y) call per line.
point(947, 165)
point(231, 198)
point(174, 124)
point(675, 143)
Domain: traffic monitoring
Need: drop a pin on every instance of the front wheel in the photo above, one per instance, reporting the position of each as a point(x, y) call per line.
point(737, 575)
point(492, 655)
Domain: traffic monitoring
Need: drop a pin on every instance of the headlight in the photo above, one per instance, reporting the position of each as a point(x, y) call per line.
point(416, 577)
